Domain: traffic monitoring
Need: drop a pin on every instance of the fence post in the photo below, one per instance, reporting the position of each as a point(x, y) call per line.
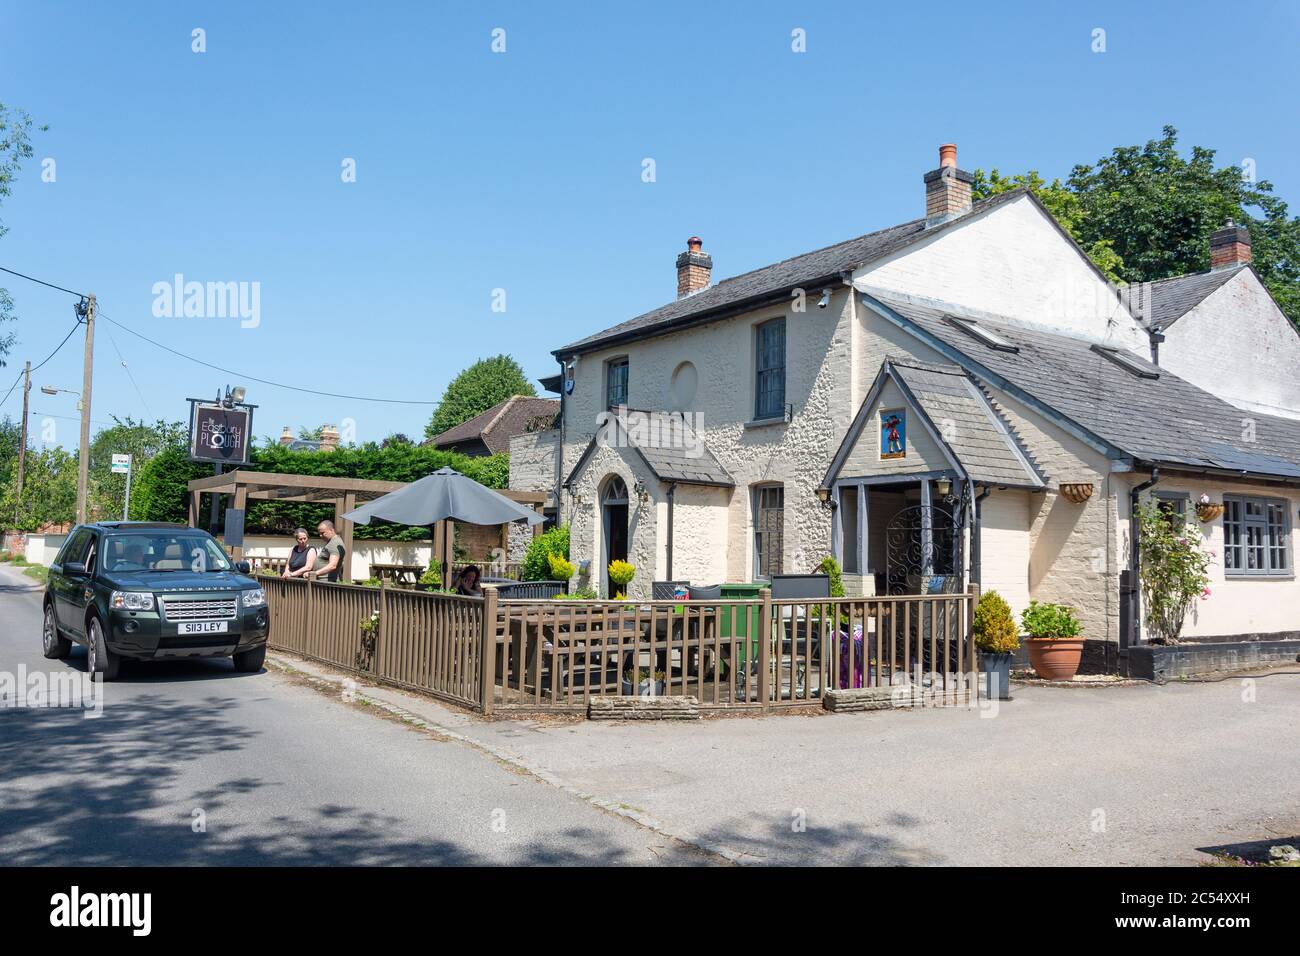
point(306, 620)
point(383, 624)
point(488, 650)
point(765, 649)
point(969, 639)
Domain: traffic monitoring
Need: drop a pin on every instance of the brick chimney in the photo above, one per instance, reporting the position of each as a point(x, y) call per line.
point(329, 438)
point(693, 268)
point(1230, 246)
point(947, 189)
point(286, 437)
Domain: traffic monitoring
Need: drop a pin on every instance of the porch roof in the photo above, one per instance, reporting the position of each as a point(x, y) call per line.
point(959, 417)
point(1143, 416)
point(682, 457)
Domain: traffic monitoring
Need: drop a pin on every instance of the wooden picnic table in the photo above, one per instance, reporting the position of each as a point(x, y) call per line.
point(397, 573)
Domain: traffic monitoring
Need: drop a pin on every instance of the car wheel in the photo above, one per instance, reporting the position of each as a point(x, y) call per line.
point(54, 644)
point(249, 662)
point(99, 658)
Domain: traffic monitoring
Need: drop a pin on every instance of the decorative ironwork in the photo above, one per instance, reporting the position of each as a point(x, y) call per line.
point(917, 563)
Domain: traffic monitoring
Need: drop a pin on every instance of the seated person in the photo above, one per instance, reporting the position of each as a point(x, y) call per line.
point(132, 557)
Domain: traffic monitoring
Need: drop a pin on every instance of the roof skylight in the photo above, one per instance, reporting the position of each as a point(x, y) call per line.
point(1125, 361)
point(977, 331)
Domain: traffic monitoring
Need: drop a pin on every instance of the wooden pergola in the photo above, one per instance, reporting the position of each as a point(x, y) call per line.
point(343, 493)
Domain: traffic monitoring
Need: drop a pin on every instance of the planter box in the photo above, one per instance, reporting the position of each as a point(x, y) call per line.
point(1162, 662)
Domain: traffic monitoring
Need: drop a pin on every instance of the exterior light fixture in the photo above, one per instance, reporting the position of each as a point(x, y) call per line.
point(823, 495)
point(944, 487)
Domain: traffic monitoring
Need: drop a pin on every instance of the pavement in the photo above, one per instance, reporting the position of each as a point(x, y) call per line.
point(295, 773)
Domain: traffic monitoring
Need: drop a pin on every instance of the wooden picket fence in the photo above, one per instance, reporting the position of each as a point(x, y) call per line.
point(556, 655)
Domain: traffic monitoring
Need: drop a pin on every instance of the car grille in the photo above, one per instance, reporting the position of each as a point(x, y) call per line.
point(205, 610)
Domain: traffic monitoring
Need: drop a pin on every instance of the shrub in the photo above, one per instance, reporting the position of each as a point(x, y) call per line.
point(1173, 573)
point(562, 569)
point(5, 556)
point(537, 562)
point(994, 625)
point(1056, 621)
point(831, 568)
point(620, 575)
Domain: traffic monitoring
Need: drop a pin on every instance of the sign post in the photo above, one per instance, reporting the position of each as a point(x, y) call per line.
point(122, 466)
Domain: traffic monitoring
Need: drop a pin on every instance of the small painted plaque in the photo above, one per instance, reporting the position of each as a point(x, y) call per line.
point(893, 434)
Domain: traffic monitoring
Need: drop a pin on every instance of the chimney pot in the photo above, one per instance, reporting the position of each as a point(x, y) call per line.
point(1230, 247)
point(694, 268)
point(286, 436)
point(948, 155)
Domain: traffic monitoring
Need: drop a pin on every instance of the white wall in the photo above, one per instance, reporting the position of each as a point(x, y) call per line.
point(1011, 261)
point(1238, 345)
point(1005, 546)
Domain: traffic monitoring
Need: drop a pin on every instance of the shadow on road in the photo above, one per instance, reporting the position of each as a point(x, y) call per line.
point(843, 844)
point(78, 791)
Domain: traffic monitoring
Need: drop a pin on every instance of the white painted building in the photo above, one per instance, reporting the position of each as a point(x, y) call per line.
point(1026, 406)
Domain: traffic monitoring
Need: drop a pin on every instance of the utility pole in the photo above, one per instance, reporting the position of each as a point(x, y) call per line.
point(22, 449)
point(83, 466)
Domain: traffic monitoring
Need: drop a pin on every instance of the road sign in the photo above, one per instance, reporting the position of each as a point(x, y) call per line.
point(121, 464)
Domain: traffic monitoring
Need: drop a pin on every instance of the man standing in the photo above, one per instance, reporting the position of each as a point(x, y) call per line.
point(329, 557)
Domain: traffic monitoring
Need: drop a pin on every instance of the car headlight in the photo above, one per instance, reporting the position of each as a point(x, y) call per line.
point(254, 598)
point(132, 600)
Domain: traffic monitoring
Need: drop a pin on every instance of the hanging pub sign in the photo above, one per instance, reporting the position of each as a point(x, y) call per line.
point(219, 434)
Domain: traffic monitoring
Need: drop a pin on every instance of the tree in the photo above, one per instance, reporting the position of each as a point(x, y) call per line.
point(15, 146)
point(127, 436)
point(487, 382)
point(49, 490)
point(1145, 213)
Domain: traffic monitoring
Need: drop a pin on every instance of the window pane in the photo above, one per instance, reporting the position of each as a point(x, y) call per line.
point(769, 521)
point(1232, 556)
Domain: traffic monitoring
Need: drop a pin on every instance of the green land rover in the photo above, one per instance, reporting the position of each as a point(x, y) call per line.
point(149, 591)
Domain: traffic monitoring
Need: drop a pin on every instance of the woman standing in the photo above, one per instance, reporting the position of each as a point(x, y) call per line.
point(301, 558)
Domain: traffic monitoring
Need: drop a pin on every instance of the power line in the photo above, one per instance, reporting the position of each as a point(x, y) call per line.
point(50, 285)
point(44, 360)
point(261, 381)
point(218, 368)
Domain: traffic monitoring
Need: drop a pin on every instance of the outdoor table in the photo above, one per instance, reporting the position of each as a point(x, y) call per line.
point(397, 573)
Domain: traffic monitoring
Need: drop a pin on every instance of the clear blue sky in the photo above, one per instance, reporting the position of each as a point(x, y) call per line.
point(522, 170)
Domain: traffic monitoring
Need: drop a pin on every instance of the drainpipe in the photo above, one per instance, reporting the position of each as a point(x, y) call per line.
point(559, 453)
point(976, 552)
point(672, 493)
point(1130, 636)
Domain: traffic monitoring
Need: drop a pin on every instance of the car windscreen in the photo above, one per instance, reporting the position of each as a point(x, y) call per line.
point(164, 551)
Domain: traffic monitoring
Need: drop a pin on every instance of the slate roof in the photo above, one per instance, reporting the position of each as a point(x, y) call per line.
point(981, 440)
point(670, 448)
point(500, 423)
point(1171, 299)
point(820, 266)
point(1163, 420)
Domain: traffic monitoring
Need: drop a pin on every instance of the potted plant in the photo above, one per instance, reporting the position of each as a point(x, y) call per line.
point(640, 679)
point(1055, 644)
point(996, 636)
point(562, 569)
point(620, 575)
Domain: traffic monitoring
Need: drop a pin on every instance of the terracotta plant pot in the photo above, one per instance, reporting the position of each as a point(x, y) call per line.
point(1055, 659)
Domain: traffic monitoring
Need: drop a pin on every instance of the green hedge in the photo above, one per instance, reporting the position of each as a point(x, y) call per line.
point(159, 492)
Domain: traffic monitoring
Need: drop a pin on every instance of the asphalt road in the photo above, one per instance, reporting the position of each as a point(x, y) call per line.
point(193, 763)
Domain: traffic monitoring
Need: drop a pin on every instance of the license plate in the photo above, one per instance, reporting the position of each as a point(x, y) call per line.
point(202, 627)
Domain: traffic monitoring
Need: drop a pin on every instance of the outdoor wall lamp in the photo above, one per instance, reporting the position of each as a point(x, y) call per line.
point(642, 493)
point(944, 487)
point(824, 495)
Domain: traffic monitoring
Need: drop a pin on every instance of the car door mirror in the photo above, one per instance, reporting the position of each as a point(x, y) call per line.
point(75, 568)
point(243, 567)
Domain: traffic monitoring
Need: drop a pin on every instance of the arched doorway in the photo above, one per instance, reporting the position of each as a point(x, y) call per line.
point(613, 522)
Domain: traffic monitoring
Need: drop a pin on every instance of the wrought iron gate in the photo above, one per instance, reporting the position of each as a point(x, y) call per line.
point(911, 567)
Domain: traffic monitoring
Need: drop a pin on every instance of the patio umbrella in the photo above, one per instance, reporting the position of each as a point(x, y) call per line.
point(444, 495)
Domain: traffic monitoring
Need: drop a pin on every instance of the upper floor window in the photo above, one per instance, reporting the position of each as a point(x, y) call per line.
point(769, 365)
point(1256, 536)
point(616, 382)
